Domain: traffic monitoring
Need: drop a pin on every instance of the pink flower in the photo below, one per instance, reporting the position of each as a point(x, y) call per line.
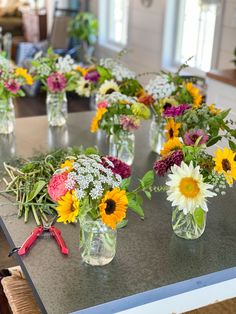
point(129, 123)
point(12, 86)
point(120, 167)
point(56, 186)
point(162, 165)
point(56, 82)
point(174, 111)
point(102, 104)
point(92, 76)
point(191, 137)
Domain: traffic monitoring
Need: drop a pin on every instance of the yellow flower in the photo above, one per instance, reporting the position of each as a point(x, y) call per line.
point(99, 114)
point(140, 110)
point(82, 70)
point(113, 207)
point(23, 73)
point(172, 129)
point(108, 87)
point(225, 163)
point(194, 92)
point(69, 164)
point(172, 144)
point(213, 109)
point(68, 208)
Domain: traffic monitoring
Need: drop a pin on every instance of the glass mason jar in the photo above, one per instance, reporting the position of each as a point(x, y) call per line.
point(157, 134)
point(121, 145)
point(7, 116)
point(93, 101)
point(97, 243)
point(189, 226)
point(57, 108)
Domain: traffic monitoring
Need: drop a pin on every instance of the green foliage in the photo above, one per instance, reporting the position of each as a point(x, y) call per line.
point(130, 87)
point(198, 217)
point(105, 74)
point(84, 26)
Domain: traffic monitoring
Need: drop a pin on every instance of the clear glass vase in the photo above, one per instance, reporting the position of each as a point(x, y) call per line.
point(189, 226)
point(157, 134)
point(121, 145)
point(57, 108)
point(93, 101)
point(7, 116)
point(97, 242)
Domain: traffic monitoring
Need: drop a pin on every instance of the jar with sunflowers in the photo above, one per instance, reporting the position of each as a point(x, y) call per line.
point(195, 174)
point(93, 191)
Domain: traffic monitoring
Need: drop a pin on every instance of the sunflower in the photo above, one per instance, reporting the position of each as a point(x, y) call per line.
point(113, 207)
point(99, 114)
point(194, 92)
point(68, 208)
point(23, 73)
point(84, 87)
point(213, 110)
point(172, 144)
point(225, 163)
point(108, 87)
point(172, 129)
point(186, 188)
point(68, 164)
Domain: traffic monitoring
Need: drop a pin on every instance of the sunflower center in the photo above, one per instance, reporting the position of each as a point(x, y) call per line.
point(226, 165)
point(111, 207)
point(86, 85)
point(189, 187)
point(110, 91)
point(171, 133)
point(167, 105)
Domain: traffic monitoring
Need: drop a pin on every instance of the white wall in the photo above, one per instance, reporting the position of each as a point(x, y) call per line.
point(146, 35)
point(228, 35)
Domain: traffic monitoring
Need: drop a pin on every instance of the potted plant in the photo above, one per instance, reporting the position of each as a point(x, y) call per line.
point(84, 27)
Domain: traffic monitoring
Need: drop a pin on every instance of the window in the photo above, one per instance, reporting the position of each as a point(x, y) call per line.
point(195, 26)
point(113, 19)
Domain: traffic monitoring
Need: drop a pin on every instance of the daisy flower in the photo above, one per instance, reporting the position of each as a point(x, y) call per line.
point(225, 163)
point(83, 87)
point(186, 189)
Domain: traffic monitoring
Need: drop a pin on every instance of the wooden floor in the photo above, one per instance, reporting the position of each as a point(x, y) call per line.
point(29, 106)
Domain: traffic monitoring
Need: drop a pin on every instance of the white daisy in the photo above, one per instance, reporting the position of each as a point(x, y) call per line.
point(108, 87)
point(83, 87)
point(186, 188)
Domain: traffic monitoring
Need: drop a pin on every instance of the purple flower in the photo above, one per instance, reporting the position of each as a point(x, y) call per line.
point(129, 123)
point(56, 82)
point(92, 76)
point(12, 86)
point(120, 167)
point(191, 137)
point(162, 165)
point(174, 111)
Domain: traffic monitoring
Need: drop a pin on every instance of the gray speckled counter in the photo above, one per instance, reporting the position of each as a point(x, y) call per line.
point(149, 256)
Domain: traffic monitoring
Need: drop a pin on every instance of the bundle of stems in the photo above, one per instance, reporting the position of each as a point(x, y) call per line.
point(28, 181)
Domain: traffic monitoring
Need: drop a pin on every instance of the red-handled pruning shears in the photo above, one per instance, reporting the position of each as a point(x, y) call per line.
point(38, 231)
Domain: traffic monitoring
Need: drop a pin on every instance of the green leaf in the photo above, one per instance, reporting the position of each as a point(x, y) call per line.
point(91, 151)
point(148, 179)
point(122, 224)
point(38, 186)
point(213, 140)
point(125, 183)
point(232, 145)
point(134, 204)
point(198, 216)
point(148, 194)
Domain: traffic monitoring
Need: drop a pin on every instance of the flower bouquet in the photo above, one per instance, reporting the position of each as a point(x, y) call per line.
point(196, 174)
point(171, 95)
point(11, 80)
point(109, 76)
point(93, 190)
point(57, 76)
point(119, 116)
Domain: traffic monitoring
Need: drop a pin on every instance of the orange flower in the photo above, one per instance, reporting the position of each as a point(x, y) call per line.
point(172, 129)
point(194, 92)
point(99, 114)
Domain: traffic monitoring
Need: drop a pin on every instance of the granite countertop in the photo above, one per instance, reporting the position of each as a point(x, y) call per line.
point(227, 76)
point(149, 256)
